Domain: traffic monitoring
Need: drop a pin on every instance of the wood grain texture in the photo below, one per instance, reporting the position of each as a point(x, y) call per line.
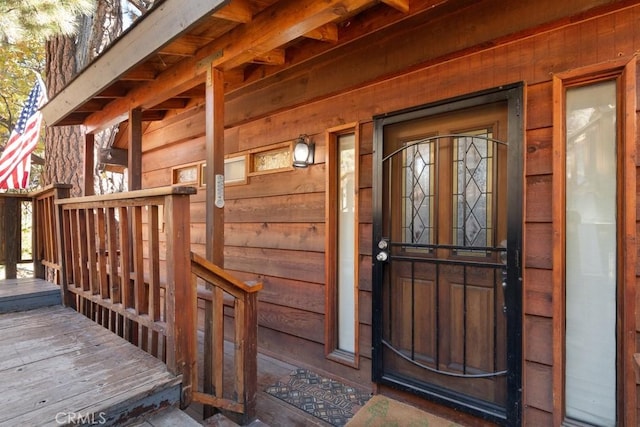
point(55, 360)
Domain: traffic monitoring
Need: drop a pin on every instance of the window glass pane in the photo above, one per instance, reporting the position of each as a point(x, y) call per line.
point(346, 242)
point(418, 194)
point(235, 169)
point(186, 175)
point(473, 156)
point(591, 254)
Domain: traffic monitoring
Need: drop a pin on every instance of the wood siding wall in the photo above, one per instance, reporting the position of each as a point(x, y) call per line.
point(274, 225)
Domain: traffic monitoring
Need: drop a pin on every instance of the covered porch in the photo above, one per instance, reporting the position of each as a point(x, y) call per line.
point(100, 345)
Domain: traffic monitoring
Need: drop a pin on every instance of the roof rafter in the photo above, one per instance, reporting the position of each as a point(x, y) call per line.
point(269, 30)
point(325, 33)
point(401, 5)
point(274, 27)
point(236, 11)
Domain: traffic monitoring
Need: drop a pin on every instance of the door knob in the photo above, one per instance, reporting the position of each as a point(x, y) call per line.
point(382, 256)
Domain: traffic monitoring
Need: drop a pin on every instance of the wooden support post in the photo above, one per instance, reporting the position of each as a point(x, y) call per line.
point(89, 165)
point(214, 141)
point(12, 236)
point(247, 354)
point(180, 295)
point(135, 149)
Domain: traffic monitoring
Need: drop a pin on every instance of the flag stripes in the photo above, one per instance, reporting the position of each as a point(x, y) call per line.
point(15, 162)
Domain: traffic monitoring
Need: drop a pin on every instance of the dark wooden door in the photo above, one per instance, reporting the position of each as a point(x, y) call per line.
point(442, 234)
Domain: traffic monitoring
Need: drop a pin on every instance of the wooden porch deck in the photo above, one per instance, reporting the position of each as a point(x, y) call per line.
point(55, 362)
point(58, 367)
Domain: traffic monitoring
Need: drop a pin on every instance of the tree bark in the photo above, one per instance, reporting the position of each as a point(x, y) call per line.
point(65, 57)
point(63, 155)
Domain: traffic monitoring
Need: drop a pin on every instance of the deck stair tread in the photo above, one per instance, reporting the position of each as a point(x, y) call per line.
point(27, 293)
point(54, 361)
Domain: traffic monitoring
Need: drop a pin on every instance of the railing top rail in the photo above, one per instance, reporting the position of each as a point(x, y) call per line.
point(21, 196)
point(49, 190)
point(225, 280)
point(129, 195)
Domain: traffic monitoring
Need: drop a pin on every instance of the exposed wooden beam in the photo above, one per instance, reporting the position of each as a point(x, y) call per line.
point(269, 30)
point(114, 156)
point(153, 115)
point(273, 57)
point(141, 72)
point(128, 51)
point(365, 22)
point(235, 76)
point(186, 45)
point(172, 104)
point(325, 33)
point(401, 5)
point(236, 11)
point(91, 106)
point(194, 92)
point(113, 91)
point(274, 27)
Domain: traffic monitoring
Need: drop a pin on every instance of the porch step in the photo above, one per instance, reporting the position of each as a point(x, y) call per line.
point(168, 417)
point(58, 367)
point(219, 420)
point(27, 294)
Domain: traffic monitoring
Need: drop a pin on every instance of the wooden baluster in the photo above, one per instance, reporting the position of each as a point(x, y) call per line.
point(141, 302)
point(103, 275)
point(154, 273)
point(125, 270)
point(114, 291)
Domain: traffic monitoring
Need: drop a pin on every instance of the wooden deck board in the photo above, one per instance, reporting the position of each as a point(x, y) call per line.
point(53, 360)
point(26, 294)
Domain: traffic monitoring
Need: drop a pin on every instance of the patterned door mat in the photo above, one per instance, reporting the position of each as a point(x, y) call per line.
point(321, 397)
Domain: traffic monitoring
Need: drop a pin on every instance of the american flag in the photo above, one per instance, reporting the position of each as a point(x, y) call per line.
point(15, 162)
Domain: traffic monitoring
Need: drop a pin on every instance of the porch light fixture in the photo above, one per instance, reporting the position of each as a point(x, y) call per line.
point(303, 152)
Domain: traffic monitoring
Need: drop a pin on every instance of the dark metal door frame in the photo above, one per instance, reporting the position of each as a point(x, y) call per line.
point(513, 95)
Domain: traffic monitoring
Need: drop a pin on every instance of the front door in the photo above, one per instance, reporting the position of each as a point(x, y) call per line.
point(447, 236)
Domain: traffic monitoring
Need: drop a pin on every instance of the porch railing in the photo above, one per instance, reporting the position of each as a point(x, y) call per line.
point(15, 209)
point(218, 289)
point(46, 248)
point(125, 264)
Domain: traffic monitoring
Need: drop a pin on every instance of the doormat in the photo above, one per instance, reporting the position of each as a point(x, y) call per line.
point(329, 400)
point(380, 411)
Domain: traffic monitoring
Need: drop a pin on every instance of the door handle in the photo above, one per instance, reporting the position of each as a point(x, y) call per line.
point(383, 255)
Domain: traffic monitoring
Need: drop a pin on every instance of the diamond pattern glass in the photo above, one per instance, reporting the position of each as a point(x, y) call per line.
point(418, 193)
point(472, 164)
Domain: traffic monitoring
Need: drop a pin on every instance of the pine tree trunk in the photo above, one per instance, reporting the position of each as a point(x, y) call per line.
point(64, 145)
point(65, 56)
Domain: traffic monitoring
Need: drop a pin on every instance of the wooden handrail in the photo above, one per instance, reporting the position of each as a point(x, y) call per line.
point(112, 270)
point(212, 273)
point(220, 285)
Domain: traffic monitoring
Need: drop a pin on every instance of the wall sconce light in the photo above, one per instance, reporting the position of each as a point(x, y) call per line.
point(303, 152)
